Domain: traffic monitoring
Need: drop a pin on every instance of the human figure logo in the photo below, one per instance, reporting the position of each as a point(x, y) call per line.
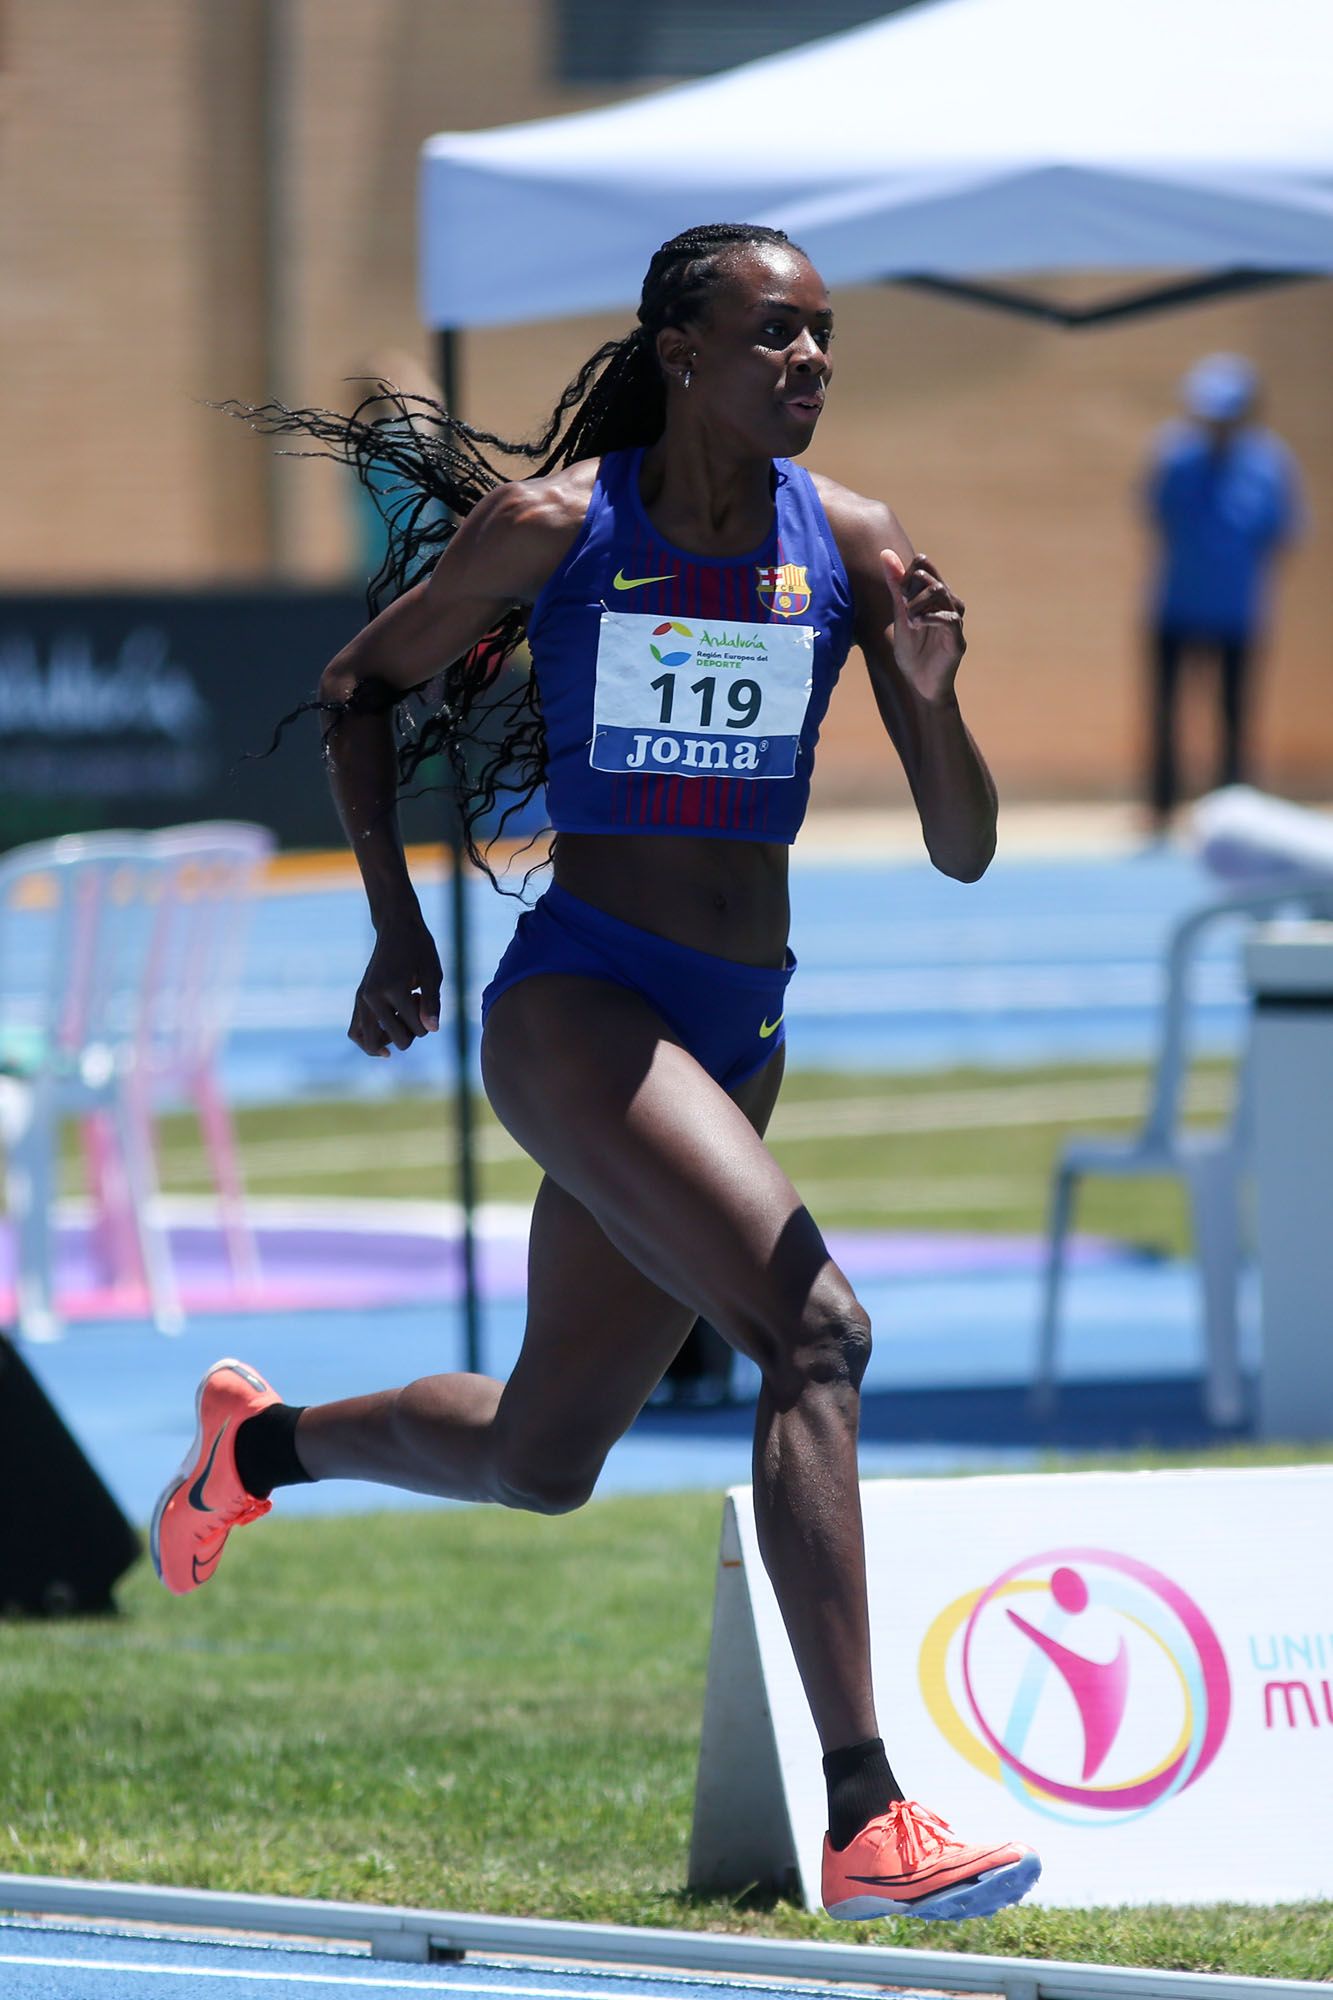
point(1103, 1698)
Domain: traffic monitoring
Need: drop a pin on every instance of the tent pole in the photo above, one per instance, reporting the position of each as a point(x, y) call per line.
point(447, 366)
point(447, 371)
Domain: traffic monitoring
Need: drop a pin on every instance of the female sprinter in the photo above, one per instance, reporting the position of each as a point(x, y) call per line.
point(689, 595)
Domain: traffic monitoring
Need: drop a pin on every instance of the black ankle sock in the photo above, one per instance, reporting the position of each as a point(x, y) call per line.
point(860, 1784)
point(266, 1450)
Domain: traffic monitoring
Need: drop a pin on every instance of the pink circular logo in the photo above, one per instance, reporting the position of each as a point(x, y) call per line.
point(1082, 1679)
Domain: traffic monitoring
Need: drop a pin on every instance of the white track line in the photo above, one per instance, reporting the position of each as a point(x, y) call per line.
point(982, 1110)
point(331, 1979)
point(933, 1195)
point(1003, 1108)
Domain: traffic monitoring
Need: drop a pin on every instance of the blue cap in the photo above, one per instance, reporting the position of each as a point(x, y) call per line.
point(1220, 388)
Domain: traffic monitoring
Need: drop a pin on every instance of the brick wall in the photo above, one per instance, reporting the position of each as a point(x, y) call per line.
point(104, 472)
point(138, 226)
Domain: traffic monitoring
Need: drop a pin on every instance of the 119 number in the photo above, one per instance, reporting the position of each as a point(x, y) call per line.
point(744, 699)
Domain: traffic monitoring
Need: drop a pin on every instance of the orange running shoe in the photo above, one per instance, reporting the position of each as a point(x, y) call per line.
point(908, 1863)
point(206, 1500)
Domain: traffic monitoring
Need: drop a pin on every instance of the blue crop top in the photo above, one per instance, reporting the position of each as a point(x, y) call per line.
point(683, 694)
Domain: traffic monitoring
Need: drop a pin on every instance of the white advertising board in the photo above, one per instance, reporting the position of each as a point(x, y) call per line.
point(1131, 1671)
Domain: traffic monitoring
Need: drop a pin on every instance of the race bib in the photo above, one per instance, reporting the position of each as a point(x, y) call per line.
point(699, 695)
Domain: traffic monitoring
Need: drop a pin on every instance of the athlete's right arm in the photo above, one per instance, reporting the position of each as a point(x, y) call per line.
point(501, 556)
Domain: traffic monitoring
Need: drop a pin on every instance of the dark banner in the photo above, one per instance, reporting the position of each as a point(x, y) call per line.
point(144, 710)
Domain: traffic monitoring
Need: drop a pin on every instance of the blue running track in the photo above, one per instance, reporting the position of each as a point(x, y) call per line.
point(1040, 961)
point(43, 1962)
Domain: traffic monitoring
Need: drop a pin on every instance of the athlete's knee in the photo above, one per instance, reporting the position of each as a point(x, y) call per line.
point(835, 1351)
point(525, 1483)
point(829, 1350)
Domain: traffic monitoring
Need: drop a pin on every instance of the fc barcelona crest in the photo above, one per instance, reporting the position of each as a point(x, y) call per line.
point(784, 589)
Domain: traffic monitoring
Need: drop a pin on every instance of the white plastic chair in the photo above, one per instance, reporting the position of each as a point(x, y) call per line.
point(77, 920)
point(119, 959)
point(215, 867)
point(1212, 1164)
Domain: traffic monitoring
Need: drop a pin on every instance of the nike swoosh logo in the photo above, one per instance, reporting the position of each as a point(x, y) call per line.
point(196, 1495)
point(767, 1028)
point(982, 1863)
point(622, 582)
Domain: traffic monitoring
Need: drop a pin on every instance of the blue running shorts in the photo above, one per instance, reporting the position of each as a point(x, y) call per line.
point(729, 1016)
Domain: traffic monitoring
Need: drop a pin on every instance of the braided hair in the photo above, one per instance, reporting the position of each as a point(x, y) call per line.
point(426, 469)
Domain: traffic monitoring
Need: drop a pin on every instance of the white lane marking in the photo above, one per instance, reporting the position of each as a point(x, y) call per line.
point(938, 1196)
point(1004, 989)
point(335, 1154)
point(964, 984)
point(615, 1979)
point(331, 1980)
point(336, 1980)
point(985, 1109)
point(797, 1989)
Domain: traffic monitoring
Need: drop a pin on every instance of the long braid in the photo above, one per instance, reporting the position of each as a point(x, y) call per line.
point(426, 469)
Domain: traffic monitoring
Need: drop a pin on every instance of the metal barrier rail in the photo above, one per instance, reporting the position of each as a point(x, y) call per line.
point(422, 1935)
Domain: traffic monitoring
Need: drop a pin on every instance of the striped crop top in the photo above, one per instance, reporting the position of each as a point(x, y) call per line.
point(683, 694)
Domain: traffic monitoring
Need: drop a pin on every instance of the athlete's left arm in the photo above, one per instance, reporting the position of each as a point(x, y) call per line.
point(909, 626)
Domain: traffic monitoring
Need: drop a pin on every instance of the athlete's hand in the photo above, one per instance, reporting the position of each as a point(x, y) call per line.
point(928, 642)
point(399, 997)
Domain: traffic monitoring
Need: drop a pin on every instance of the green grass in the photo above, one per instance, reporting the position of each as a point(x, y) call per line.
point(459, 1709)
point(960, 1149)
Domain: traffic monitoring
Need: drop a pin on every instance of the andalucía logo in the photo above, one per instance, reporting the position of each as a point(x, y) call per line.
point(784, 588)
point(670, 659)
point(1108, 1673)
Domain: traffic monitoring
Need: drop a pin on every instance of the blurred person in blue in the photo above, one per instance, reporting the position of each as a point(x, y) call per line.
point(1224, 497)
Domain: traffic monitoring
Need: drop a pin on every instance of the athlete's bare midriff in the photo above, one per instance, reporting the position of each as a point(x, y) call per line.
point(728, 897)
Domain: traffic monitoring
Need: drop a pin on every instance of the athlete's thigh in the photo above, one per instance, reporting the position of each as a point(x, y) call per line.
point(600, 1334)
point(588, 1080)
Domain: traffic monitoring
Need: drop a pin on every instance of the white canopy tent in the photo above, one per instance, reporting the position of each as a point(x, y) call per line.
point(968, 138)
